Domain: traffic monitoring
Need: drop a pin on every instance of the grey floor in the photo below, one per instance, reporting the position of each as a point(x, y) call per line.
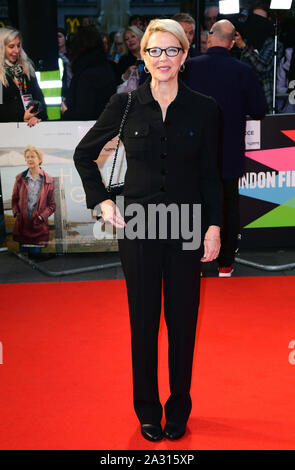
point(15, 270)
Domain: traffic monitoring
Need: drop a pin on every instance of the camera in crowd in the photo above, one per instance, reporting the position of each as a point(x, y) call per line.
point(36, 106)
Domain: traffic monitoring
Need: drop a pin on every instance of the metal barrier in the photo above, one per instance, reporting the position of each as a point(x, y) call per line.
point(264, 267)
point(66, 272)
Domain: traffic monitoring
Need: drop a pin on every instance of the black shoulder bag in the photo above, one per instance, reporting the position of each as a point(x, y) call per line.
point(117, 188)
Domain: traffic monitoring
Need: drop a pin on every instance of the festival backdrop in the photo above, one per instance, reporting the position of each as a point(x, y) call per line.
point(267, 188)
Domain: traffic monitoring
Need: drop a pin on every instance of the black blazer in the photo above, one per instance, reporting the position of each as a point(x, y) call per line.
point(171, 162)
point(12, 109)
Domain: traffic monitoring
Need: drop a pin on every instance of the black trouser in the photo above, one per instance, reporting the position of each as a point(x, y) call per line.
point(231, 222)
point(146, 263)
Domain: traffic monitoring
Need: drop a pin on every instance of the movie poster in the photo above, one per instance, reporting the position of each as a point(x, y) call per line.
point(71, 223)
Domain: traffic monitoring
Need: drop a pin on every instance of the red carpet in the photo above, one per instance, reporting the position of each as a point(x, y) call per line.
point(66, 372)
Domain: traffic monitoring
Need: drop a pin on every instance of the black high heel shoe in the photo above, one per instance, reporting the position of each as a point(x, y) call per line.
point(152, 432)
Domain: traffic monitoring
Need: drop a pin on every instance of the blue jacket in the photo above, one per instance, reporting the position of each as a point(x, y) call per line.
point(238, 93)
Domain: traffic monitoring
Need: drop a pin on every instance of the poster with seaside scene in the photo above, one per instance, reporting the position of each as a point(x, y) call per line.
point(71, 224)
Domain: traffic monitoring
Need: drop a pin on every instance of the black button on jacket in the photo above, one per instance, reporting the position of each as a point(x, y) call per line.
point(189, 144)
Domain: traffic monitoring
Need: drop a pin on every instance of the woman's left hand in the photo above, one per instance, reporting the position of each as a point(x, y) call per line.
point(211, 244)
point(33, 121)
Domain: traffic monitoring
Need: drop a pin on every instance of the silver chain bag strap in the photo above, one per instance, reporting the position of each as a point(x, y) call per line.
point(117, 188)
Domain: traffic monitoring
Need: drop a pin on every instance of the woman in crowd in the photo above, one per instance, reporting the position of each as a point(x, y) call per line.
point(93, 81)
point(63, 55)
point(32, 203)
point(117, 49)
point(106, 43)
point(19, 83)
point(127, 62)
point(171, 138)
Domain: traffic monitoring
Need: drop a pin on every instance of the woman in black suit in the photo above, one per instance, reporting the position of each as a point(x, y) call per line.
point(170, 137)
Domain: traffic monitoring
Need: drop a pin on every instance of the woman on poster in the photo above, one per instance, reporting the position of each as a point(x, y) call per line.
point(32, 204)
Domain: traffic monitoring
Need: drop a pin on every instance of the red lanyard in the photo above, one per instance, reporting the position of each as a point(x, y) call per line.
point(21, 84)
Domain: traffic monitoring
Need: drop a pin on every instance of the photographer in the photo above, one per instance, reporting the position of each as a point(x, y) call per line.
point(22, 98)
point(256, 43)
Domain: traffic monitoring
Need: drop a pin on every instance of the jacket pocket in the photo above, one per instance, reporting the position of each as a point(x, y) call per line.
point(136, 139)
point(188, 140)
point(17, 224)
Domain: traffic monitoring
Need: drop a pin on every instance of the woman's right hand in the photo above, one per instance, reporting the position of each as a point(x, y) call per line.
point(33, 121)
point(110, 213)
point(28, 115)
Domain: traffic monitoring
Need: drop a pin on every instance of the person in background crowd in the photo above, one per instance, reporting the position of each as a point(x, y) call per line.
point(210, 17)
point(106, 43)
point(117, 48)
point(145, 21)
point(137, 20)
point(261, 8)
point(189, 25)
point(203, 41)
point(238, 93)
point(85, 21)
point(63, 55)
point(132, 37)
point(170, 138)
point(32, 204)
point(257, 49)
point(93, 80)
point(19, 82)
point(286, 74)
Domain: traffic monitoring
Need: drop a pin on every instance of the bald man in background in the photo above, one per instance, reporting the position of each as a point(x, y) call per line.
point(238, 93)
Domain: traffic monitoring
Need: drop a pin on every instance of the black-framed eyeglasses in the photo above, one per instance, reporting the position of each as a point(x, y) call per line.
point(210, 32)
point(171, 51)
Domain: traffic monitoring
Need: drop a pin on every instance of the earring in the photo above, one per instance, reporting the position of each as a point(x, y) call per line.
point(182, 67)
point(146, 70)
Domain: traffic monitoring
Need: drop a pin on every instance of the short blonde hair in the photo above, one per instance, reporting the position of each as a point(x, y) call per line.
point(38, 152)
point(164, 26)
